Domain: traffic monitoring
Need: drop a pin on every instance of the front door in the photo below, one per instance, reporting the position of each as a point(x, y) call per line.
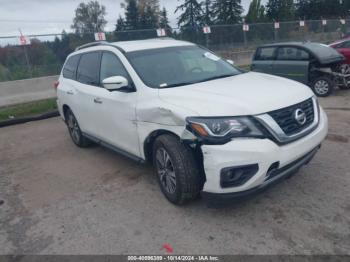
point(292, 63)
point(117, 109)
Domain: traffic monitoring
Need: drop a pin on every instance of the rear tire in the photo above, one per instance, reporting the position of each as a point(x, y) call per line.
point(74, 130)
point(323, 86)
point(176, 169)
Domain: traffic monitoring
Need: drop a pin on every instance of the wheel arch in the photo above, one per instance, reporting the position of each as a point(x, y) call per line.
point(149, 141)
point(65, 109)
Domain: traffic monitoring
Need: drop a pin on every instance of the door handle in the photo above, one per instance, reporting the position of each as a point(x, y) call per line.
point(97, 100)
point(70, 92)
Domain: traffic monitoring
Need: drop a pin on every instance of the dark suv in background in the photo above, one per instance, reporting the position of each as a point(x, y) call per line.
point(313, 64)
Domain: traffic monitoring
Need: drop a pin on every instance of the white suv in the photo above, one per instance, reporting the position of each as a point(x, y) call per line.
point(207, 126)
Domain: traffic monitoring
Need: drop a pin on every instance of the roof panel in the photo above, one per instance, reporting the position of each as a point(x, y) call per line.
point(130, 46)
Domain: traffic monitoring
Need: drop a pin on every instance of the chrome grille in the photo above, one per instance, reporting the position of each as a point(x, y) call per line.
point(285, 117)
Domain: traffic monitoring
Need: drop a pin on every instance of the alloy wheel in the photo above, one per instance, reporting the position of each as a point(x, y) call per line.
point(322, 87)
point(73, 128)
point(166, 171)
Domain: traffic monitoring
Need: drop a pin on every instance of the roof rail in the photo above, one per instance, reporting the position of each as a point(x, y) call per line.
point(91, 45)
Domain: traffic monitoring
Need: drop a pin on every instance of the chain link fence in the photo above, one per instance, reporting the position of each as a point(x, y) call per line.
point(46, 53)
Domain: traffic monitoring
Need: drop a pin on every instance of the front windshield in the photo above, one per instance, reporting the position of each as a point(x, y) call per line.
point(178, 66)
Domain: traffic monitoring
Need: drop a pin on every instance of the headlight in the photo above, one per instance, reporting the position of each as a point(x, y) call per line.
point(223, 128)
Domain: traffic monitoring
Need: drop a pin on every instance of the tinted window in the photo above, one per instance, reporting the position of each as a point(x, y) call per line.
point(89, 69)
point(71, 67)
point(112, 66)
point(292, 53)
point(266, 53)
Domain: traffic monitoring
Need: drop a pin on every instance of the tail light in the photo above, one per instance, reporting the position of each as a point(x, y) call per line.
point(55, 84)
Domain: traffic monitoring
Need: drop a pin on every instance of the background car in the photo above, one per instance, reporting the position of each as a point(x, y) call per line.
point(313, 64)
point(343, 47)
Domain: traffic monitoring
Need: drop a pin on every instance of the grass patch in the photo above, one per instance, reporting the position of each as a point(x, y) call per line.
point(28, 109)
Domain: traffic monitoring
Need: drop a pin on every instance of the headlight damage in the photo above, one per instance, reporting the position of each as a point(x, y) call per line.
point(223, 129)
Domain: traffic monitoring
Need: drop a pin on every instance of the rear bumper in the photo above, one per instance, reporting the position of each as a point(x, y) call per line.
point(276, 177)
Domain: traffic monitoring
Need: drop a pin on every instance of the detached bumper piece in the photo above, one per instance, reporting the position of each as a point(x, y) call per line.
point(274, 176)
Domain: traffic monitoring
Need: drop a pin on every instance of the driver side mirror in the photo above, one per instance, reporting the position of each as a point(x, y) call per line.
point(115, 83)
point(231, 62)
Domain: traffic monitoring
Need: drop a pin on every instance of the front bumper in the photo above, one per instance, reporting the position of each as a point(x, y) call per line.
point(265, 153)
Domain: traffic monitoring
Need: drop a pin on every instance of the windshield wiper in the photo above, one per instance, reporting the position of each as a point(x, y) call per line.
point(177, 84)
point(200, 81)
point(216, 77)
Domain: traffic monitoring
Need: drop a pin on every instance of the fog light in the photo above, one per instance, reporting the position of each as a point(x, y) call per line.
point(237, 176)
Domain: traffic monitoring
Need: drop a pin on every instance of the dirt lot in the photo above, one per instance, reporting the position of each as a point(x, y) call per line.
point(58, 199)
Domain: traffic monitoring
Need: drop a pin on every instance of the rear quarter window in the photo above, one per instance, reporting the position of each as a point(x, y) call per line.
point(70, 68)
point(265, 53)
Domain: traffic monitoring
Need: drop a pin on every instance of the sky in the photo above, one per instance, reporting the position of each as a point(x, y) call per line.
point(52, 16)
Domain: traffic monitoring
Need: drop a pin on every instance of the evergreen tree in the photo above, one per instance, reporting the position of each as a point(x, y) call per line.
point(303, 9)
point(280, 10)
point(120, 26)
point(256, 13)
point(148, 18)
point(208, 13)
point(316, 9)
point(132, 15)
point(164, 21)
point(154, 4)
point(227, 11)
point(192, 14)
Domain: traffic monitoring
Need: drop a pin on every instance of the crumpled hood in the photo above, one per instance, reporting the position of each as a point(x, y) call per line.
point(245, 94)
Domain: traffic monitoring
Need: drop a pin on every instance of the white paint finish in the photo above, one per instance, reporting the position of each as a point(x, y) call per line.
point(245, 94)
point(126, 120)
point(262, 152)
point(130, 46)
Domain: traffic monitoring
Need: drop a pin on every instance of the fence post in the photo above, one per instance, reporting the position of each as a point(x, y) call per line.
point(27, 61)
point(276, 26)
point(207, 41)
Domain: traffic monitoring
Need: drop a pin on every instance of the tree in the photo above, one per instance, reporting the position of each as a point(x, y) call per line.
point(142, 5)
point(256, 13)
point(208, 13)
point(192, 14)
point(132, 15)
point(316, 9)
point(227, 11)
point(280, 10)
point(120, 26)
point(164, 21)
point(141, 14)
point(89, 18)
point(149, 16)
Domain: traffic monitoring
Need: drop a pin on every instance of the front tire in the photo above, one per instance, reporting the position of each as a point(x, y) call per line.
point(176, 169)
point(74, 130)
point(323, 86)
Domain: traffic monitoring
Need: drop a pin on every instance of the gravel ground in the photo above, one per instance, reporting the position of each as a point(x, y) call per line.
point(56, 198)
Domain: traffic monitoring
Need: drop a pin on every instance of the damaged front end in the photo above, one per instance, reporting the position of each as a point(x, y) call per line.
point(338, 72)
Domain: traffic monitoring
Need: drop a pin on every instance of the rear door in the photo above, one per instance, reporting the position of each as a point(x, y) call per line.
point(87, 88)
point(264, 59)
point(65, 91)
point(293, 63)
